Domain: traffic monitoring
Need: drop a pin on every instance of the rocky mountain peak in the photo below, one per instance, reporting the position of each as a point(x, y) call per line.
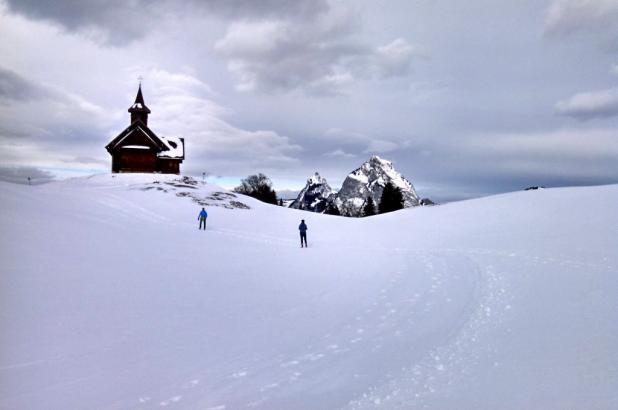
point(377, 161)
point(316, 179)
point(314, 196)
point(369, 180)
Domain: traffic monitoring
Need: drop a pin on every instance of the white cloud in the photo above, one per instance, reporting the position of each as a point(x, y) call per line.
point(589, 105)
point(568, 16)
point(339, 153)
point(394, 58)
point(180, 107)
point(614, 69)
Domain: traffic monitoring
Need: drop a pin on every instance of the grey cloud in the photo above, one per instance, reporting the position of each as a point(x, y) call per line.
point(319, 56)
point(590, 105)
point(562, 154)
point(15, 87)
point(298, 9)
point(489, 73)
point(111, 21)
point(119, 22)
point(360, 142)
point(85, 160)
point(20, 175)
point(486, 164)
point(41, 124)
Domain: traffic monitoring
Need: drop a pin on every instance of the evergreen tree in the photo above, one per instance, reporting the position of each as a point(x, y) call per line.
point(391, 200)
point(259, 187)
point(370, 208)
point(331, 209)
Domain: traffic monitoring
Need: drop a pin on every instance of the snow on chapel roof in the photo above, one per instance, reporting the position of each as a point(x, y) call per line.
point(176, 147)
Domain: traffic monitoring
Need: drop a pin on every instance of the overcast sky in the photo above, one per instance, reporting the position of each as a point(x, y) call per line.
point(466, 98)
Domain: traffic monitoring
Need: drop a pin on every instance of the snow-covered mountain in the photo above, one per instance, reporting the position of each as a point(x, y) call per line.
point(314, 196)
point(369, 180)
point(111, 298)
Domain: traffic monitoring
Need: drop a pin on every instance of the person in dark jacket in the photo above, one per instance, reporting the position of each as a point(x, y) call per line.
point(202, 218)
point(303, 233)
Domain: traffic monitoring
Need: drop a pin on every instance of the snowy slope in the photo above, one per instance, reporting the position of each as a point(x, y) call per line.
point(112, 299)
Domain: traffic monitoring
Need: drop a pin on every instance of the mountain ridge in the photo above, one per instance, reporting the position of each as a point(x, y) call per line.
point(368, 180)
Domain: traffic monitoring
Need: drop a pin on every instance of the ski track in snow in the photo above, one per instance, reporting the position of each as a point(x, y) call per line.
point(369, 329)
point(387, 312)
point(445, 363)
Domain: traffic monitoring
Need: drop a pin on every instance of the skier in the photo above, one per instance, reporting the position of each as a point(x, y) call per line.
point(202, 218)
point(303, 233)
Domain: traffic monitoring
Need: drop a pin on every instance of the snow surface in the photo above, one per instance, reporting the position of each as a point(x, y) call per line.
point(176, 148)
point(111, 298)
point(135, 147)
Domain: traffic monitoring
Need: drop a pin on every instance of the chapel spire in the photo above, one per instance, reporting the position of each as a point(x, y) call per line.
point(138, 110)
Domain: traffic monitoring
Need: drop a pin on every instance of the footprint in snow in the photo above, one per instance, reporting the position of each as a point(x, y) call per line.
point(313, 356)
point(169, 401)
point(191, 384)
point(269, 387)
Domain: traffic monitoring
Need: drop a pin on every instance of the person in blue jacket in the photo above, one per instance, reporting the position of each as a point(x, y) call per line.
point(202, 218)
point(303, 233)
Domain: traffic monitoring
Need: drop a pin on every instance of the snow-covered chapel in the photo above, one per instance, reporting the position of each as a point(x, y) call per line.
point(138, 149)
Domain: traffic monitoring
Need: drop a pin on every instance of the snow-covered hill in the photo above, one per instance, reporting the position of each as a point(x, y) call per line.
point(369, 180)
point(111, 298)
